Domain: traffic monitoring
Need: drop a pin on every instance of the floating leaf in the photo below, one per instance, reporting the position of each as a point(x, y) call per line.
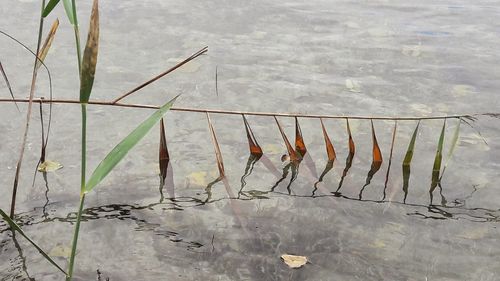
point(218, 154)
point(294, 261)
point(330, 150)
point(117, 154)
point(454, 142)
point(353, 85)
point(16, 227)
point(376, 161)
point(300, 146)
point(350, 156)
point(407, 162)
point(163, 155)
point(49, 166)
point(390, 156)
point(436, 168)
point(46, 45)
point(89, 60)
point(60, 251)
point(252, 142)
point(293, 155)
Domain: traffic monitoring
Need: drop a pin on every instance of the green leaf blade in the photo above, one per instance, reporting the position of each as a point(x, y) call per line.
point(436, 168)
point(454, 142)
point(68, 7)
point(50, 6)
point(16, 227)
point(407, 162)
point(411, 147)
point(119, 152)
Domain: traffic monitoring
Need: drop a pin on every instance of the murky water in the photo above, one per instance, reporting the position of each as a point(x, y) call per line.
point(329, 57)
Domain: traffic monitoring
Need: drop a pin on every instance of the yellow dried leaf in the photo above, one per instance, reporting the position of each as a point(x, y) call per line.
point(49, 166)
point(353, 86)
point(294, 261)
point(60, 251)
point(198, 178)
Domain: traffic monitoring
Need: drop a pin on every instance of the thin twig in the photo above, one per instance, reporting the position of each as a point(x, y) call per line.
point(28, 117)
point(192, 57)
point(255, 113)
point(8, 84)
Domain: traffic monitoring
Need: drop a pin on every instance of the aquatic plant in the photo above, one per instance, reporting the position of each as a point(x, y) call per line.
point(297, 153)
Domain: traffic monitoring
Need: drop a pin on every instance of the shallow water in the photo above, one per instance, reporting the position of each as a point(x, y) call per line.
point(326, 57)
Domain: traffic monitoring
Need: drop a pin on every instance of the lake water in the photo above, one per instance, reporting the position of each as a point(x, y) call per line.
point(370, 58)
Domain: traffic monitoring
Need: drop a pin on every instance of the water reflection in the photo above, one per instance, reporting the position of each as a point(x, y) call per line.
point(350, 156)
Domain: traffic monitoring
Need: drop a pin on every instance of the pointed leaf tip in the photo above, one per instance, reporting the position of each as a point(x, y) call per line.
point(164, 157)
point(377, 154)
point(218, 154)
point(436, 168)
point(291, 152)
point(330, 150)
point(48, 42)
point(50, 6)
point(254, 146)
point(300, 146)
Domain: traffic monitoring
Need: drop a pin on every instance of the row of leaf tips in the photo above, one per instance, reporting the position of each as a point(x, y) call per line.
point(298, 153)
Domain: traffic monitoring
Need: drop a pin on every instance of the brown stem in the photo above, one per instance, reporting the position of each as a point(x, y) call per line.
point(192, 57)
point(236, 112)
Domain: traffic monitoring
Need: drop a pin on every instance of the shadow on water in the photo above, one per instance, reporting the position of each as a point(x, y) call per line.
point(252, 159)
point(328, 167)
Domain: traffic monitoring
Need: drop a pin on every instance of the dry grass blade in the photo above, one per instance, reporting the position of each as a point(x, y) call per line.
point(330, 150)
point(293, 155)
point(192, 57)
point(8, 84)
point(376, 161)
point(218, 154)
point(390, 156)
point(377, 154)
point(28, 118)
point(255, 148)
point(48, 42)
point(352, 147)
point(300, 146)
point(89, 60)
point(164, 157)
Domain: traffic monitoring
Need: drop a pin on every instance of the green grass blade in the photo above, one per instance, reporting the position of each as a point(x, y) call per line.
point(407, 162)
point(16, 227)
point(89, 60)
point(68, 7)
point(411, 147)
point(117, 154)
point(436, 168)
point(454, 142)
point(50, 6)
